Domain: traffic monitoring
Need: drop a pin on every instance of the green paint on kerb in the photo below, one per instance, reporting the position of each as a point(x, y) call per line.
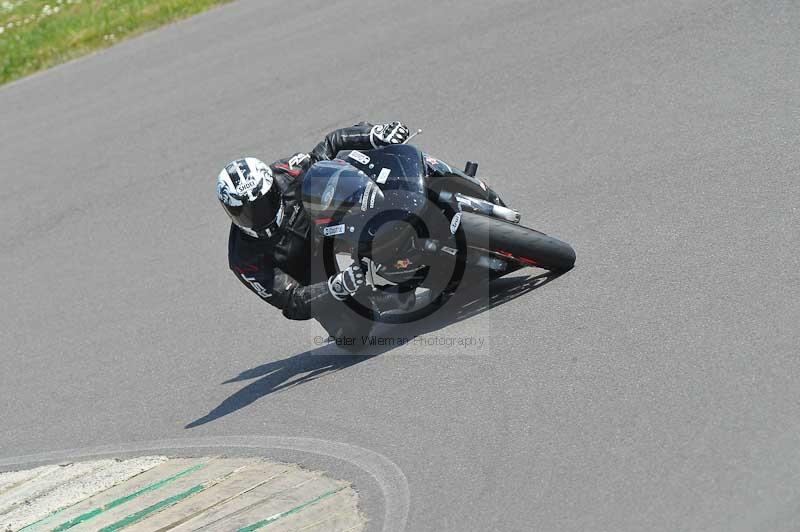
point(116, 502)
point(272, 519)
point(166, 503)
point(44, 520)
point(160, 505)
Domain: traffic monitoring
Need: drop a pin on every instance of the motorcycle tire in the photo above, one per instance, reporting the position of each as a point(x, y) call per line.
point(517, 243)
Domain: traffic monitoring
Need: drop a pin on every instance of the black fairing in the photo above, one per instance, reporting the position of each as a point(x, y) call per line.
point(360, 192)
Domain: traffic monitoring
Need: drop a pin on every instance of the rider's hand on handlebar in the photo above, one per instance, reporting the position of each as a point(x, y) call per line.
point(347, 282)
point(386, 134)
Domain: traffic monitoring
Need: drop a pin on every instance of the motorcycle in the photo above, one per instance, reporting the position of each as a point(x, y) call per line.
point(415, 222)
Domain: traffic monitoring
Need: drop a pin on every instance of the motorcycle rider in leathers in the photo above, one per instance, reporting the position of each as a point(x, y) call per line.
point(271, 244)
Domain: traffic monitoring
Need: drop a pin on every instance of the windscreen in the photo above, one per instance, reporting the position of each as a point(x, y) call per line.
point(397, 167)
point(329, 186)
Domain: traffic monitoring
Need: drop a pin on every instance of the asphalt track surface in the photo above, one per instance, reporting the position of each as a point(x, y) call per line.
point(654, 387)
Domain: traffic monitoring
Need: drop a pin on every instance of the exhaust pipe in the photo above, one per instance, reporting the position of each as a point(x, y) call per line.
point(480, 206)
point(504, 213)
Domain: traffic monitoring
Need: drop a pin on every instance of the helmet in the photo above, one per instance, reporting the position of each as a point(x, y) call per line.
point(250, 196)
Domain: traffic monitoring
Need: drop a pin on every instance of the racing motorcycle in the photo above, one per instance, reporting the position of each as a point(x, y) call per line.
point(415, 222)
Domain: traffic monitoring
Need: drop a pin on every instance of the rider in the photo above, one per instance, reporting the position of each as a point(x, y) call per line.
point(270, 246)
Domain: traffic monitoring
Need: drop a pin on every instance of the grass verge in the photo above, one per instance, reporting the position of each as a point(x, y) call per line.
point(37, 34)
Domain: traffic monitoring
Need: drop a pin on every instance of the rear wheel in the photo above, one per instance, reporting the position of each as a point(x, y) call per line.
point(516, 243)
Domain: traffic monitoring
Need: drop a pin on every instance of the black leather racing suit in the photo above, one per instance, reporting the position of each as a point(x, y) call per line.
point(280, 269)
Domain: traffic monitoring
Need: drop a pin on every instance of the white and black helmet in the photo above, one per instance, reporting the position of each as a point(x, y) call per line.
point(250, 196)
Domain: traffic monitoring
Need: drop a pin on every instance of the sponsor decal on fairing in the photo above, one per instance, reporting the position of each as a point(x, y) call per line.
point(455, 222)
point(332, 230)
point(359, 157)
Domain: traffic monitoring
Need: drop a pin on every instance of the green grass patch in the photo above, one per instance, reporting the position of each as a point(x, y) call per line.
point(37, 34)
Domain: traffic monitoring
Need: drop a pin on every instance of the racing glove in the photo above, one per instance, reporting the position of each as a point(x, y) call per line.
point(347, 282)
point(386, 134)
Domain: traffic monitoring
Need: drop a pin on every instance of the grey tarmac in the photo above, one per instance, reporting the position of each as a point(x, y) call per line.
point(654, 387)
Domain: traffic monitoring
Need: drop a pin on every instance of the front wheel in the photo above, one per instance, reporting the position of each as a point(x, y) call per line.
point(516, 243)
